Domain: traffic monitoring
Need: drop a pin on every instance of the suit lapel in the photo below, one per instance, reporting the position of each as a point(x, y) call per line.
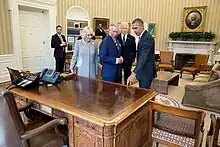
point(139, 41)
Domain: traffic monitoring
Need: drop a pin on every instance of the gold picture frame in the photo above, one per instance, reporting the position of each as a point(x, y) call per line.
point(103, 21)
point(194, 19)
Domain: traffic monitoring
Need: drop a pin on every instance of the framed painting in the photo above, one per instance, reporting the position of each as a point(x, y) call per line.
point(100, 25)
point(194, 19)
point(152, 29)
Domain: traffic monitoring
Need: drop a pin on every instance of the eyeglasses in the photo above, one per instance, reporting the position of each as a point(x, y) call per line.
point(90, 35)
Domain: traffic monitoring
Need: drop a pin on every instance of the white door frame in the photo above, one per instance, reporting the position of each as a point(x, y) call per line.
point(48, 5)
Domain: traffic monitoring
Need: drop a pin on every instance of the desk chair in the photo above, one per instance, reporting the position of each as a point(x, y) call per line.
point(175, 126)
point(38, 133)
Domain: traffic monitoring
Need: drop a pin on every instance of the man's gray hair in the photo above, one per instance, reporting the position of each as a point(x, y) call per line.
point(86, 30)
point(113, 26)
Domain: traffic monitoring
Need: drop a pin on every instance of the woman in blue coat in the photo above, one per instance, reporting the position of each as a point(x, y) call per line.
point(85, 56)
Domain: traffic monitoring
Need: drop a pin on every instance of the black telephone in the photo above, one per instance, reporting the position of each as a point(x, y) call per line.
point(28, 81)
point(31, 80)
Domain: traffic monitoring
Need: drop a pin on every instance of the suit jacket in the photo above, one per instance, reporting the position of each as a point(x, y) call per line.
point(55, 43)
point(108, 52)
point(129, 49)
point(146, 67)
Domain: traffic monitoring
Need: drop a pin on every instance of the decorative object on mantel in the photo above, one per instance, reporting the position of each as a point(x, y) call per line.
point(192, 36)
point(194, 19)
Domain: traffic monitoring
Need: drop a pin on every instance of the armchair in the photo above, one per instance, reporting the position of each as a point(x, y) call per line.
point(175, 126)
point(203, 95)
point(35, 134)
point(199, 64)
point(166, 61)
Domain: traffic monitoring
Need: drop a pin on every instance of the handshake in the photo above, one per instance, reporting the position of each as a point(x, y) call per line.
point(120, 60)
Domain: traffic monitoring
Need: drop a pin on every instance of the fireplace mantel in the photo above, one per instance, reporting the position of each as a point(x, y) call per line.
point(194, 47)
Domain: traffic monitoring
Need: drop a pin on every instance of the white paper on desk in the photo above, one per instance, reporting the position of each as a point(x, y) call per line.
point(45, 108)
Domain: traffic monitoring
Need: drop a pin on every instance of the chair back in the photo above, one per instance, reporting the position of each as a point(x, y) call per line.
point(166, 57)
point(213, 138)
point(8, 96)
point(15, 75)
point(176, 121)
point(201, 59)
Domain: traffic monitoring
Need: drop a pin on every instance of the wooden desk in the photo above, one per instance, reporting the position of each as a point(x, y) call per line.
point(100, 114)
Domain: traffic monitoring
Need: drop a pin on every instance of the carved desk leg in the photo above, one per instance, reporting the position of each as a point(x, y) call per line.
point(71, 130)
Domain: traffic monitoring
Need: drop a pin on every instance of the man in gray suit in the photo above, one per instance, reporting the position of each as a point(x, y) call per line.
point(145, 69)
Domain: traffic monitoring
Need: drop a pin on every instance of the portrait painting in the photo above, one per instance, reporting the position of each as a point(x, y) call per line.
point(194, 19)
point(100, 25)
point(152, 29)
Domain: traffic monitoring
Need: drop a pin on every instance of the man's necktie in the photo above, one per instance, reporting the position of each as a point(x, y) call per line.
point(116, 43)
point(123, 40)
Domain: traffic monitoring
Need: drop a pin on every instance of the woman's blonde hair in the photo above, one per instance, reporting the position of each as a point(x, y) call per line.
point(86, 30)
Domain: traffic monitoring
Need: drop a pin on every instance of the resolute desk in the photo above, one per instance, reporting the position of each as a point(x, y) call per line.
point(100, 114)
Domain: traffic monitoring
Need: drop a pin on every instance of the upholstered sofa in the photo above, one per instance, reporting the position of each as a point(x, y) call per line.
point(203, 92)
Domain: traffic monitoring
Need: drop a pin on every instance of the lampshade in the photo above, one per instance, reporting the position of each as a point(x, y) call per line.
point(219, 50)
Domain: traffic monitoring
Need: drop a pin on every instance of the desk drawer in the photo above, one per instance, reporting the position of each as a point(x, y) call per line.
point(48, 110)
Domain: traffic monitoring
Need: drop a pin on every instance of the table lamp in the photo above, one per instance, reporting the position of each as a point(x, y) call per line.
point(219, 50)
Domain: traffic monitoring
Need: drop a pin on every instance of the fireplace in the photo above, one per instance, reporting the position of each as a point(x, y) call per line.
point(182, 58)
point(193, 47)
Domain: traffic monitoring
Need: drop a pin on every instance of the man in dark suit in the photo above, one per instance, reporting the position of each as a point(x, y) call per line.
point(110, 56)
point(128, 49)
point(145, 69)
point(58, 42)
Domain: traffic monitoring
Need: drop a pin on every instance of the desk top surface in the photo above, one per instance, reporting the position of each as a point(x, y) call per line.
point(101, 101)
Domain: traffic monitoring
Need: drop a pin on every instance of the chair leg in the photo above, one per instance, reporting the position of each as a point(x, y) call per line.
point(181, 73)
point(194, 74)
point(157, 144)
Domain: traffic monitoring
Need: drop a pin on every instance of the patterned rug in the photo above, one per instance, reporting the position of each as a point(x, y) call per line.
point(166, 100)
